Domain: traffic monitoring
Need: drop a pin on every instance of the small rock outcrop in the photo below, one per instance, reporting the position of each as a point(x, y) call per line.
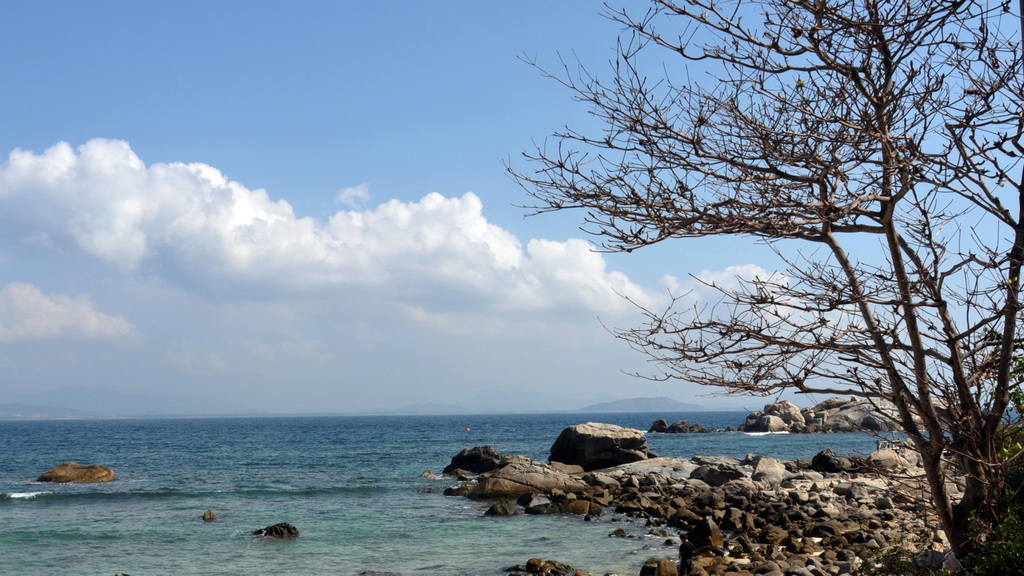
point(661, 426)
point(594, 446)
point(279, 530)
point(75, 472)
point(209, 516)
point(832, 415)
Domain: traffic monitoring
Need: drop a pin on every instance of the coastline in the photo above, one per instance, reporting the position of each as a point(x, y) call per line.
point(351, 485)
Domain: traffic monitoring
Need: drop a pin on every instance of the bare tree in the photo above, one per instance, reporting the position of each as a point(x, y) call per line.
point(875, 146)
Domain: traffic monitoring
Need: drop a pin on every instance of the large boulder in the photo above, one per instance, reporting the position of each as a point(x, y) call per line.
point(829, 461)
point(859, 416)
point(768, 470)
point(595, 446)
point(786, 411)
point(706, 533)
point(75, 472)
point(477, 459)
point(520, 475)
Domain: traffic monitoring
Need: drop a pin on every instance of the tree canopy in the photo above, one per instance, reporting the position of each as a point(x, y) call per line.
point(876, 147)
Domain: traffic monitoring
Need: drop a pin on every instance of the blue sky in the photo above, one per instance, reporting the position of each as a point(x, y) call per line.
point(302, 206)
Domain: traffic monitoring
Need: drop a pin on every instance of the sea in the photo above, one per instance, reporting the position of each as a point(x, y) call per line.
point(352, 485)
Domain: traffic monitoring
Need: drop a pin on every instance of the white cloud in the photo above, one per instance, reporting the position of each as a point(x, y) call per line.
point(28, 314)
point(354, 195)
point(437, 252)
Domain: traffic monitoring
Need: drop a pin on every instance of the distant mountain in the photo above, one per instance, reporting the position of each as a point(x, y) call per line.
point(107, 402)
point(661, 404)
point(30, 411)
point(427, 409)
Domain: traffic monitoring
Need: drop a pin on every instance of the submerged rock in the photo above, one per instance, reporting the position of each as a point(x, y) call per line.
point(75, 472)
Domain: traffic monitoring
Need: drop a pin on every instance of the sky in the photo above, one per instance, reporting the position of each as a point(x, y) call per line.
point(297, 207)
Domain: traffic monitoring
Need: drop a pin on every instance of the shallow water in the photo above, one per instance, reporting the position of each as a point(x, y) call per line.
point(351, 485)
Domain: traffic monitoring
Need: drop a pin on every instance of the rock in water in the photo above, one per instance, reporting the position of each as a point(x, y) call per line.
point(520, 475)
point(503, 508)
point(595, 446)
point(75, 472)
point(477, 460)
point(209, 516)
point(280, 530)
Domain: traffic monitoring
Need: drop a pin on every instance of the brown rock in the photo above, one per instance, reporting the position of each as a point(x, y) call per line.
point(75, 472)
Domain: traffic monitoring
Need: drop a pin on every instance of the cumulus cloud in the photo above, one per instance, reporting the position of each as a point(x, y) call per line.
point(28, 314)
point(103, 200)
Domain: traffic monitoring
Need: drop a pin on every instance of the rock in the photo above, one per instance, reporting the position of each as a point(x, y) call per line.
point(209, 516)
point(785, 411)
point(660, 426)
point(520, 475)
point(660, 567)
point(477, 460)
point(759, 422)
point(596, 446)
point(888, 459)
point(503, 508)
point(832, 415)
point(829, 461)
point(279, 530)
point(75, 472)
point(717, 475)
point(545, 568)
point(769, 470)
point(706, 533)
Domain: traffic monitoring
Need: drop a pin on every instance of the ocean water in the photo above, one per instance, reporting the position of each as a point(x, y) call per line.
point(351, 485)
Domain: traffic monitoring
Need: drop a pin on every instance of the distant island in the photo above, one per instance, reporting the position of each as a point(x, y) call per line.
point(661, 404)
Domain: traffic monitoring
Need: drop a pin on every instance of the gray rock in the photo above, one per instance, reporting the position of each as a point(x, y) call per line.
point(595, 446)
point(503, 508)
point(717, 475)
point(520, 475)
point(769, 470)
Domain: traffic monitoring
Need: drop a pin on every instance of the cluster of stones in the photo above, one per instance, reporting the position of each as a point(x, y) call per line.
point(539, 567)
point(756, 515)
point(832, 415)
point(661, 426)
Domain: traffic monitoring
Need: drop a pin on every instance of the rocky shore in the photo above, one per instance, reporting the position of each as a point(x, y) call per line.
point(757, 515)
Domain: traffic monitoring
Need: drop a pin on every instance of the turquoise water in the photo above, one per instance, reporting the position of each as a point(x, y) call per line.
point(351, 485)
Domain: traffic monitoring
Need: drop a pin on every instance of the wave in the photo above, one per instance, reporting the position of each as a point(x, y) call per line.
point(781, 433)
point(21, 495)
